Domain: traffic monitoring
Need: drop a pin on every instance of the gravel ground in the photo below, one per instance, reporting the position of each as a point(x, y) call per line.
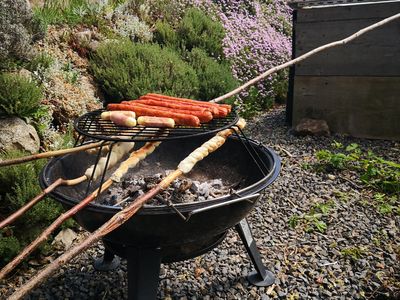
point(307, 265)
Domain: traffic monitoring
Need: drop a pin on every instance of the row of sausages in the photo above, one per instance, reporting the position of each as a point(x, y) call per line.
point(183, 111)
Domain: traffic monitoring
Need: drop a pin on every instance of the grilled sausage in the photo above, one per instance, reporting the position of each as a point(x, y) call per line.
point(179, 118)
point(211, 106)
point(156, 122)
point(223, 110)
point(204, 114)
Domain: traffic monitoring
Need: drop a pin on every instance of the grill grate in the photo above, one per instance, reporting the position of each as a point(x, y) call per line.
point(91, 125)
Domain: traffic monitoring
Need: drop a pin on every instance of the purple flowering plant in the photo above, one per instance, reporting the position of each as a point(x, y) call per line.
point(258, 37)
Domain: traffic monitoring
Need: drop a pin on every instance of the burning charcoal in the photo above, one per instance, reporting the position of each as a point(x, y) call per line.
point(188, 198)
point(217, 184)
point(204, 189)
point(185, 185)
point(125, 183)
point(195, 186)
point(175, 184)
point(133, 190)
point(141, 182)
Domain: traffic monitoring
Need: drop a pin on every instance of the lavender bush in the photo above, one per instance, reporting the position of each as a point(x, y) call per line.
point(257, 38)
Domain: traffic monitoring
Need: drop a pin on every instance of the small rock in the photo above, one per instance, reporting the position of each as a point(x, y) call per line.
point(15, 134)
point(331, 177)
point(312, 127)
point(83, 37)
point(65, 237)
point(93, 45)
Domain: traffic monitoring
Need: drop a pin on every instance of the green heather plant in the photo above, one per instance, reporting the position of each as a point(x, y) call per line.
point(19, 96)
point(40, 61)
point(126, 70)
point(165, 34)
point(20, 184)
point(197, 30)
point(215, 78)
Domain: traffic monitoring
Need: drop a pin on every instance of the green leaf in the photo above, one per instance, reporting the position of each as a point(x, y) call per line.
point(351, 147)
point(320, 225)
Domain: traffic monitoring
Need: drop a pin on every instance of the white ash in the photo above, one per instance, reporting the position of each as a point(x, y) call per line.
point(182, 190)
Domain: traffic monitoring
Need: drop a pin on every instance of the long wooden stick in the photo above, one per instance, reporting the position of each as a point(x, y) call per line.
point(123, 148)
point(48, 154)
point(50, 188)
point(141, 154)
point(306, 55)
point(125, 214)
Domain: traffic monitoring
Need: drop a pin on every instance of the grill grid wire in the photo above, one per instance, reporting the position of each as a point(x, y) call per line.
point(91, 125)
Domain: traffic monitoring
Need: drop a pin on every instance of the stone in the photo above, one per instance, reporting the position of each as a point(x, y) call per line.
point(15, 134)
point(312, 127)
point(65, 237)
point(93, 45)
point(83, 37)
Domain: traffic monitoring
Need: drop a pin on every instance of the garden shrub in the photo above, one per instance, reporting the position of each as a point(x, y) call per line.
point(252, 54)
point(197, 30)
point(257, 37)
point(126, 71)
point(18, 29)
point(150, 11)
point(19, 185)
point(19, 96)
point(165, 34)
point(40, 61)
point(215, 78)
point(131, 27)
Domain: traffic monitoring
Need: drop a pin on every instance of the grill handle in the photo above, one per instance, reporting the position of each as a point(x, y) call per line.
point(247, 198)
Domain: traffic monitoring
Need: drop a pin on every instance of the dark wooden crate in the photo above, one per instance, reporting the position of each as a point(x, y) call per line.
point(355, 87)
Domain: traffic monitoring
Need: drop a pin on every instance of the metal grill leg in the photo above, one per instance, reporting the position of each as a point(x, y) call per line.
point(143, 273)
point(108, 262)
point(261, 276)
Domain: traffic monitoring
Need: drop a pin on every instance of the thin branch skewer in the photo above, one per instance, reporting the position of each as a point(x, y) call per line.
point(48, 154)
point(124, 215)
point(30, 204)
point(304, 56)
point(89, 172)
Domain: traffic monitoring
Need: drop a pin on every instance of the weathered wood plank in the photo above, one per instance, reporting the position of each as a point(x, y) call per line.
point(367, 107)
point(375, 54)
point(348, 12)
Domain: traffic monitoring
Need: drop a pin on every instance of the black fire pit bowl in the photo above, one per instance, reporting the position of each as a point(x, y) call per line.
point(160, 228)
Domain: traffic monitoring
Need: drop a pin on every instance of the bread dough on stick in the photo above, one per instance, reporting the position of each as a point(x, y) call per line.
point(211, 145)
point(134, 160)
point(117, 153)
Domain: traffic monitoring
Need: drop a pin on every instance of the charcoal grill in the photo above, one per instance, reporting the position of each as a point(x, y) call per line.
point(158, 234)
